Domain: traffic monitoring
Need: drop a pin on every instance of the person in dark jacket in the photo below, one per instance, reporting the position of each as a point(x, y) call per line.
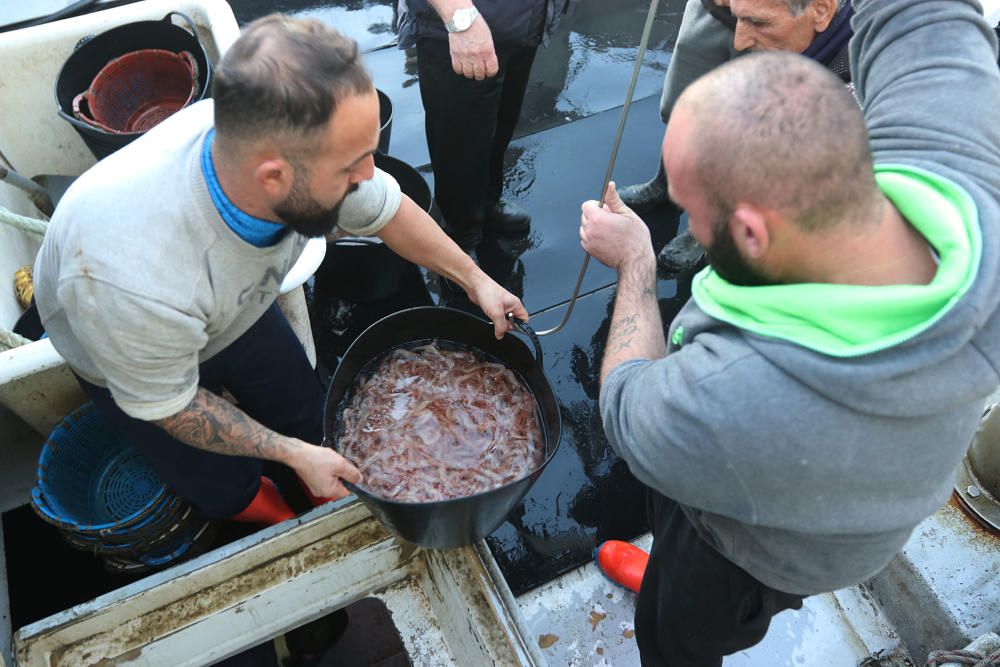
point(713, 32)
point(473, 63)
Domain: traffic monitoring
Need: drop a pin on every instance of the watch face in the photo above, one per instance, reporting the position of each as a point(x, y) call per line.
point(463, 19)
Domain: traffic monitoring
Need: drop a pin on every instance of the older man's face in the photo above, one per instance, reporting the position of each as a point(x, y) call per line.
point(769, 25)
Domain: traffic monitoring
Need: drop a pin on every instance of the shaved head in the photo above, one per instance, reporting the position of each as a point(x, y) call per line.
point(779, 131)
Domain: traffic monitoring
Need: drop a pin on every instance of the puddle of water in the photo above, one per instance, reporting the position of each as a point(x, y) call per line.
point(370, 22)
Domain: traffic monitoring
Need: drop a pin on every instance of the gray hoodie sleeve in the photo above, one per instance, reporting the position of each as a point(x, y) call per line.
point(662, 417)
point(925, 73)
point(703, 43)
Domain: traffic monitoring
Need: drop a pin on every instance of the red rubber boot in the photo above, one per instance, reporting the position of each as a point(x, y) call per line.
point(315, 501)
point(267, 507)
point(622, 563)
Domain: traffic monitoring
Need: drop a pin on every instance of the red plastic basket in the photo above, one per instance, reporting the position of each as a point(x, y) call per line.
point(135, 92)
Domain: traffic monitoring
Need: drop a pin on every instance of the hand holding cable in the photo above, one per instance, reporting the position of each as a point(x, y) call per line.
point(497, 303)
point(613, 234)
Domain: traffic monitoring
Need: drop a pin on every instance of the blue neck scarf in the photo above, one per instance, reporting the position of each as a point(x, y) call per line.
point(258, 233)
point(828, 44)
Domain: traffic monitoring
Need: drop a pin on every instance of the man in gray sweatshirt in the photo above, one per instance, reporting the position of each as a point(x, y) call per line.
point(812, 401)
point(158, 275)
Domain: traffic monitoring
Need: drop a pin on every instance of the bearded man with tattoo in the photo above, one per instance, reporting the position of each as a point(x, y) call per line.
point(158, 275)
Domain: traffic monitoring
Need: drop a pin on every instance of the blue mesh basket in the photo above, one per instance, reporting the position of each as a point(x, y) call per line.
point(177, 531)
point(165, 515)
point(192, 541)
point(139, 538)
point(91, 480)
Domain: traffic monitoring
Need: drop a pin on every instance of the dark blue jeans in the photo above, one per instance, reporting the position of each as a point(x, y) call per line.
point(267, 371)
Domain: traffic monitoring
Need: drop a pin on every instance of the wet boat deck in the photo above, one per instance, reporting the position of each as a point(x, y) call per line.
point(586, 495)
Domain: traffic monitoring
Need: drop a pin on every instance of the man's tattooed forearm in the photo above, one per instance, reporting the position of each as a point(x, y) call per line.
point(211, 423)
point(636, 332)
point(622, 332)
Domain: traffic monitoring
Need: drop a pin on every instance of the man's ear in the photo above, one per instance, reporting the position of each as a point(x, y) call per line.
point(274, 176)
point(822, 12)
point(750, 230)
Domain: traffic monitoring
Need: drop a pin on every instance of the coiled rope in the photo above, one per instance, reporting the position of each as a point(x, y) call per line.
point(33, 227)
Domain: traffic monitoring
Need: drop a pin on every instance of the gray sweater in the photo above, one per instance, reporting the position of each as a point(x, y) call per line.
point(139, 280)
point(807, 429)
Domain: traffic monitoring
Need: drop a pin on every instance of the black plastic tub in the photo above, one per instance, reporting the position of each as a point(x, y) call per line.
point(409, 179)
point(456, 522)
point(361, 269)
point(92, 54)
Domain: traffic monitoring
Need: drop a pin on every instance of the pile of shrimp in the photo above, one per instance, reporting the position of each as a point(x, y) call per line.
point(432, 424)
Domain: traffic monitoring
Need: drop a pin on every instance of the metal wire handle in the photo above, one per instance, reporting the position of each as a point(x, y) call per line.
point(647, 29)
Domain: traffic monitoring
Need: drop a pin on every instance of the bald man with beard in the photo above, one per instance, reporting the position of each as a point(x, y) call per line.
point(713, 32)
point(810, 404)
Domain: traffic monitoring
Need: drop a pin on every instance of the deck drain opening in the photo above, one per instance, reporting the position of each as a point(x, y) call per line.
point(360, 635)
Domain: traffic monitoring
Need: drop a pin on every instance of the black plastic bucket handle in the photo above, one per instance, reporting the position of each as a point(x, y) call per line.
point(187, 19)
point(523, 327)
point(166, 19)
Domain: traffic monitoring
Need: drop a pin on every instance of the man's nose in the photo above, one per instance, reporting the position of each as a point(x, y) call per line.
point(742, 38)
point(365, 170)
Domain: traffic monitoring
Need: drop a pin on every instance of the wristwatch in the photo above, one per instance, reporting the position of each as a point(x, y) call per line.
point(462, 19)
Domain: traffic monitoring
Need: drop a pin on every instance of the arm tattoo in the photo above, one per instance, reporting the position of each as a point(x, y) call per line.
point(211, 423)
point(622, 332)
point(636, 330)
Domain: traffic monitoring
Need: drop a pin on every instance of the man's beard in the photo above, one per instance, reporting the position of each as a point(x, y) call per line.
point(726, 259)
point(304, 214)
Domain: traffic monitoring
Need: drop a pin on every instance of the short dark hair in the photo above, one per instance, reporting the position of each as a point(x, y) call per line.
point(779, 130)
point(284, 77)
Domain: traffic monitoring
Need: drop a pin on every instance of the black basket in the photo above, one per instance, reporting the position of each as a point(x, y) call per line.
point(94, 53)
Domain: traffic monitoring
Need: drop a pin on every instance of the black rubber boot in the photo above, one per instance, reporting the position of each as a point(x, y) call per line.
point(646, 195)
point(507, 218)
point(681, 254)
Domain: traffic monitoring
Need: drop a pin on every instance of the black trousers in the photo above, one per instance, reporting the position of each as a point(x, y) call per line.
point(267, 371)
point(469, 125)
point(695, 606)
